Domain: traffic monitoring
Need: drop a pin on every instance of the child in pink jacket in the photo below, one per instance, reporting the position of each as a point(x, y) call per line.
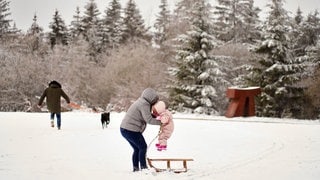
point(167, 126)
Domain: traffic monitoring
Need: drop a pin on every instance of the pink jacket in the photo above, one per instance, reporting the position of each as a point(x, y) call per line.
point(166, 127)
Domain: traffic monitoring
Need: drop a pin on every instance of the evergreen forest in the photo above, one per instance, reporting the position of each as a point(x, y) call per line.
point(190, 55)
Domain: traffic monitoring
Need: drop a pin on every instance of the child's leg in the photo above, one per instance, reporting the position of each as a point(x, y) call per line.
point(162, 139)
point(163, 142)
point(162, 145)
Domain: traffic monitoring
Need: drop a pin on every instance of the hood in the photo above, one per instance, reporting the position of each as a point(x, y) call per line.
point(160, 107)
point(54, 84)
point(150, 95)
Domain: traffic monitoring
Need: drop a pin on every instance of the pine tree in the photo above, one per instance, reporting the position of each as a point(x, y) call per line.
point(14, 30)
point(313, 54)
point(112, 25)
point(35, 34)
point(93, 29)
point(237, 20)
point(195, 72)
point(162, 23)
point(311, 28)
point(306, 33)
point(90, 18)
point(277, 71)
point(4, 21)
point(181, 17)
point(133, 24)
point(298, 18)
point(75, 27)
point(59, 31)
point(251, 23)
point(94, 44)
point(35, 28)
point(305, 38)
point(297, 34)
point(311, 107)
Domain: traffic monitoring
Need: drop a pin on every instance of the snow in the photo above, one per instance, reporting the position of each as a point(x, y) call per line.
point(222, 148)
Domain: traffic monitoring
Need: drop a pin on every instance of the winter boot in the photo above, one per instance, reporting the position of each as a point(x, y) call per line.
point(162, 148)
point(135, 169)
point(147, 171)
point(52, 123)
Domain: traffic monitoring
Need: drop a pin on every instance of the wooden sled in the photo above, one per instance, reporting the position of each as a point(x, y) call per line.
point(169, 160)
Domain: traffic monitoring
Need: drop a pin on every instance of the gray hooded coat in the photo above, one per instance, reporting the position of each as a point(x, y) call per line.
point(139, 113)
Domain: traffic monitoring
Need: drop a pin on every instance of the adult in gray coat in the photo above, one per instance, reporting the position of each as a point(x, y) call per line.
point(134, 124)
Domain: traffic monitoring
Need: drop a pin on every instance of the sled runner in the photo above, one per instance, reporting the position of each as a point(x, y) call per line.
point(169, 160)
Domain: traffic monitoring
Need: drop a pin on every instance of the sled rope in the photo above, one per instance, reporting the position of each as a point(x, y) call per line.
point(160, 130)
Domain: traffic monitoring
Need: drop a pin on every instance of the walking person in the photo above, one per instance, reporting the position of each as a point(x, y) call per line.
point(53, 95)
point(134, 123)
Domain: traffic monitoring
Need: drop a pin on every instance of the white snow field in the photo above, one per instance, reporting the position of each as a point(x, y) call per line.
point(222, 148)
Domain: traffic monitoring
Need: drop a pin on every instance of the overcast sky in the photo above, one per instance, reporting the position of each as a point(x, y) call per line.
point(22, 11)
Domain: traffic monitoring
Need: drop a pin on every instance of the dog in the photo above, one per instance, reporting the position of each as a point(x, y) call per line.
point(105, 119)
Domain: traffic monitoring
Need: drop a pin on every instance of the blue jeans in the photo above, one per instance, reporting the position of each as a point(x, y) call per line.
point(139, 145)
point(58, 115)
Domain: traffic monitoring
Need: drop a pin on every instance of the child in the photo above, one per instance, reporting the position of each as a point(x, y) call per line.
point(167, 126)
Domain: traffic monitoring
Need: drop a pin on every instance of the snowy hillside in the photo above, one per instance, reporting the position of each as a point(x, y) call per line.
point(222, 148)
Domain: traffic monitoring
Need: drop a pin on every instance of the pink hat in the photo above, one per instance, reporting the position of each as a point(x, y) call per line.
point(160, 107)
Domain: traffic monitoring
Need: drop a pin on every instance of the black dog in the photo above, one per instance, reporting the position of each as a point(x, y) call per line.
point(105, 119)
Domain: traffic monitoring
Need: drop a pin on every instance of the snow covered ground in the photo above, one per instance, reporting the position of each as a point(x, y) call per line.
point(222, 148)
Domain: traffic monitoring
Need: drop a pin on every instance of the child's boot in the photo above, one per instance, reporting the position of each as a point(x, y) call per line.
point(162, 147)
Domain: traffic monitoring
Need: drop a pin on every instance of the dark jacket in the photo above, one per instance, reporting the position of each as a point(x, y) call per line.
point(53, 97)
point(139, 113)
